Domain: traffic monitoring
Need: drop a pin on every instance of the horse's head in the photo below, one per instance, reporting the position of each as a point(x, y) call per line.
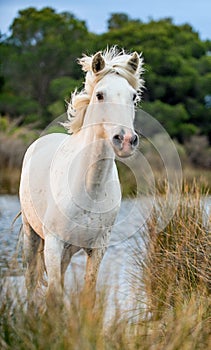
point(113, 98)
point(113, 85)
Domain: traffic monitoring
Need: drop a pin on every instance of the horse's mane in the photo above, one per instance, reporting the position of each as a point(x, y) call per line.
point(116, 62)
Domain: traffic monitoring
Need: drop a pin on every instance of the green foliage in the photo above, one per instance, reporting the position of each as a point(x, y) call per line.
point(56, 108)
point(39, 69)
point(63, 87)
point(4, 124)
point(174, 119)
point(13, 105)
point(60, 90)
point(43, 46)
point(119, 20)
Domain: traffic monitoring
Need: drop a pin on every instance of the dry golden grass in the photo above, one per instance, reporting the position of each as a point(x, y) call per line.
point(175, 276)
point(14, 141)
point(9, 180)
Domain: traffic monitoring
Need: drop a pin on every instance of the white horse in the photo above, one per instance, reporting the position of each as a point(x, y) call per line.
point(69, 190)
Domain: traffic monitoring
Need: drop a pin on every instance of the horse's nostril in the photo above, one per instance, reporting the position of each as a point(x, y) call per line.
point(117, 139)
point(134, 140)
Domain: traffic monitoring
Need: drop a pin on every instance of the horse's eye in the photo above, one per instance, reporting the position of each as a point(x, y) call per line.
point(99, 96)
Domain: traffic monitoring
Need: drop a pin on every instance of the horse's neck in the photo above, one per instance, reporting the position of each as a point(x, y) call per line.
point(93, 177)
point(100, 168)
point(98, 160)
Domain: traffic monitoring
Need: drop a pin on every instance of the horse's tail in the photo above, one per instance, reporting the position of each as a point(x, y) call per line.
point(15, 218)
point(15, 263)
point(41, 265)
point(40, 256)
point(20, 233)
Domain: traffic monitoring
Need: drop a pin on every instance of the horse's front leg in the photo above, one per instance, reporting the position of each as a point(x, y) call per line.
point(53, 252)
point(94, 259)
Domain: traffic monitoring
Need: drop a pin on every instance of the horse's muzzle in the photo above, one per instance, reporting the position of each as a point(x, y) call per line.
point(125, 143)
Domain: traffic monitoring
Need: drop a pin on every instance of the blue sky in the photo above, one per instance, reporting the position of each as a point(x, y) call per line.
point(96, 12)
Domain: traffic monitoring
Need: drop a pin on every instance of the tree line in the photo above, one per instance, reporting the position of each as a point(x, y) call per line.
point(39, 69)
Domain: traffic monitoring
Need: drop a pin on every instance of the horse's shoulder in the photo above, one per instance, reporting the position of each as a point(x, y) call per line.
point(52, 138)
point(46, 144)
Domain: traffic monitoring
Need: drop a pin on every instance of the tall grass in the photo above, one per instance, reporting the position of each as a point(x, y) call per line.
point(14, 141)
point(176, 276)
point(179, 255)
point(173, 282)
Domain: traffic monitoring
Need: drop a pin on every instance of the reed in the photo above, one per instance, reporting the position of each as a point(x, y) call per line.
point(175, 276)
point(171, 288)
point(178, 256)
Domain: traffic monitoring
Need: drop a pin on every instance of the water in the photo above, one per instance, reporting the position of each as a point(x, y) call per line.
point(117, 265)
point(130, 219)
point(9, 207)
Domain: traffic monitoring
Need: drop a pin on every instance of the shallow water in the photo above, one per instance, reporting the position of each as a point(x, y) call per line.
point(128, 224)
point(118, 263)
point(9, 207)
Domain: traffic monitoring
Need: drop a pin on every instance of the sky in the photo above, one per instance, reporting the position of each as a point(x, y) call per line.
point(96, 13)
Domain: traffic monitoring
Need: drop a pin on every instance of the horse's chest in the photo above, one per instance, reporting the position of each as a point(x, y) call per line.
point(82, 227)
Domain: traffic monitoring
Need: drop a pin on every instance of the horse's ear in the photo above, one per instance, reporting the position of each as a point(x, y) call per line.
point(133, 62)
point(98, 62)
